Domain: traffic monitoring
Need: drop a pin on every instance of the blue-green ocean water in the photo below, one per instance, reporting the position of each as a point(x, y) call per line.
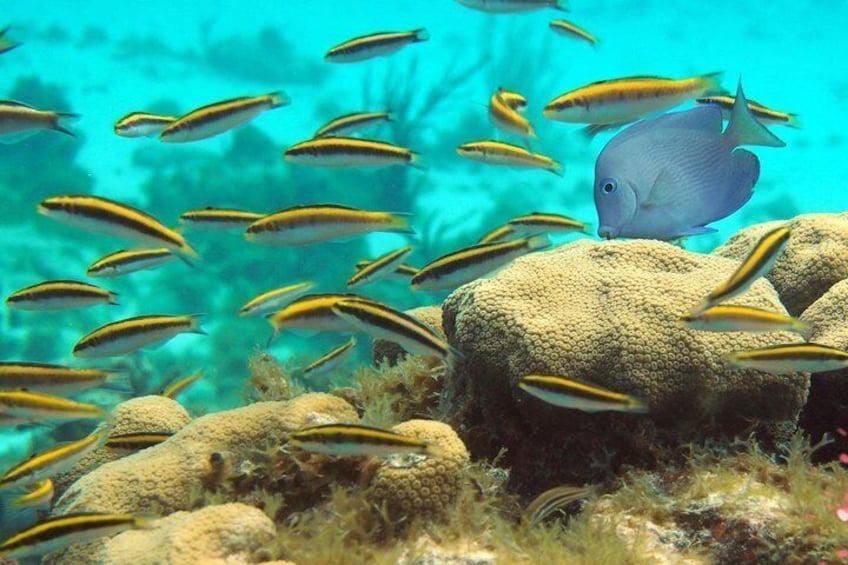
point(104, 59)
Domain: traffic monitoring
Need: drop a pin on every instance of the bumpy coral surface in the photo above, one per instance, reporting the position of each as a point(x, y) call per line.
point(144, 414)
point(605, 312)
point(815, 259)
point(428, 488)
point(390, 351)
point(215, 535)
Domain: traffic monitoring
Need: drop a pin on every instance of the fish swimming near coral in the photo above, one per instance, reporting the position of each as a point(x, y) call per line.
point(669, 177)
point(765, 115)
point(349, 152)
point(20, 121)
point(331, 360)
point(38, 407)
point(354, 440)
point(128, 261)
point(60, 295)
point(352, 123)
point(569, 393)
point(734, 318)
point(132, 334)
point(219, 219)
point(51, 379)
point(552, 500)
point(177, 387)
point(379, 268)
point(142, 124)
point(790, 358)
point(508, 119)
point(274, 300)
point(506, 154)
point(374, 45)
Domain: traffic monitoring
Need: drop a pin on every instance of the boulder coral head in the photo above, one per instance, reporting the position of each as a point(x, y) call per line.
point(607, 313)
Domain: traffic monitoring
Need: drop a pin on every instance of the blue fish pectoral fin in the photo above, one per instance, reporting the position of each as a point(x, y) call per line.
point(663, 193)
point(744, 129)
point(697, 230)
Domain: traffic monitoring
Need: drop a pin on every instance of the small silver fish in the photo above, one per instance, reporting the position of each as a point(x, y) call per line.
point(374, 45)
point(514, 6)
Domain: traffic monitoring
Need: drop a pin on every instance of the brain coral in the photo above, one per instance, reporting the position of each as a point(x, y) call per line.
point(215, 535)
point(815, 259)
point(605, 312)
point(143, 414)
point(428, 488)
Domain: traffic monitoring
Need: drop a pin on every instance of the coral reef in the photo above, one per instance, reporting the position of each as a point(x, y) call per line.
point(608, 313)
point(815, 259)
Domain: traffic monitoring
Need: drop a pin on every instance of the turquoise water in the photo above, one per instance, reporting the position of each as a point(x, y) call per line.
point(102, 60)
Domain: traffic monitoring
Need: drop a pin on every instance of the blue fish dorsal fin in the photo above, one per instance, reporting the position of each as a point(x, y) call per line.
point(703, 118)
point(744, 129)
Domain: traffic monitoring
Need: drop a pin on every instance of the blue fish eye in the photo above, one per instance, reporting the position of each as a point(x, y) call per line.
point(608, 186)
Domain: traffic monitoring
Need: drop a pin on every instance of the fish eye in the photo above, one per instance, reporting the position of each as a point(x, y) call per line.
point(608, 186)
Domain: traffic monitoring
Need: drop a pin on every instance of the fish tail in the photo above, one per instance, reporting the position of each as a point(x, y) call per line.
point(195, 324)
point(145, 521)
point(400, 222)
point(540, 241)
point(557, 168)
point(279, 98)
point(55, 125)
point(416, 161)
point(744, 129)
point(794, 121)
point(803, 329)
point(188, 251)
point(421, 34)
point(562, 5)
point(711, 83)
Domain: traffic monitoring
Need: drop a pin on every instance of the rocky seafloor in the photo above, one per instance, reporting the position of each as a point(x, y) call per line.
point(729, 466)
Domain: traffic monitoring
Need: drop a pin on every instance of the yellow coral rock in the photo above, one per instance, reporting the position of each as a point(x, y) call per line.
point(143, 414)
point(429, 488)
point(815, 259)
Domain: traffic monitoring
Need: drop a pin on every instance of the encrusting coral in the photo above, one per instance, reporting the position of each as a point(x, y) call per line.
point(815, 258)
point(607, 313)
point(149, 414)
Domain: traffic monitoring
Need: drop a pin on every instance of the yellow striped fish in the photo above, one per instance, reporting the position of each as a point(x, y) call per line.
point(757, 264)
point(62, 531)
point(60, 295)
point(568, 29)
point(349, 124)
point(557, 498)
point(52, 461)
point(514, 100)
point(514, 6)
point(38, 407)
point(275, 299)
point(457, 268)
point(302, 225)
point(219, 117)
point(101, 215)
point(374, 45)
point(379, 268)
point(569, 393)
point(179, 386)
point(217, 219)
point(128, 261)
point(137, 441)
point(764, 114)
point(132, 334)
point(790, 358)
point(384, 322)
point(622, 100)
point(19, 121)
point(354, 440)
point(331, 360)
point(39, 495)
point(540, 222)
point(313, 312)
point(500, 233)
point(734, 318)
point(7, 44)
point(349, 152)
point(499, 153)
point(403, 271)
point(507, 118)
point(50, 379)
point(142, 124)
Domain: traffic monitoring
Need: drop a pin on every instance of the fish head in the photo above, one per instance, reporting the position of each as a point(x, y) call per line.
point(616, 203)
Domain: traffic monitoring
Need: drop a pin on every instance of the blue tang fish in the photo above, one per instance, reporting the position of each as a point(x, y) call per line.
point(670, 176)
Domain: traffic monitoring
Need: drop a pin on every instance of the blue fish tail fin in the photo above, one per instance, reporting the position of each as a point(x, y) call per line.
point(744, 129)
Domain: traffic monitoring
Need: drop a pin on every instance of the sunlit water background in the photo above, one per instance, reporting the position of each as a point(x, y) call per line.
point(104, 59)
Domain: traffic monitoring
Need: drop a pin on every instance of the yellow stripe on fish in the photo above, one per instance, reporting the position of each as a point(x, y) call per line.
point(137, 441)
point(52, 461)
point(507, 154)
point(379, 268)
point(181, 385)
point(514, 100)
point(374, 45)
point(569, 29)
point(734, 318)
point(302, 225)
point(38, 496)
point(540, 222)
point(457, 268)
point(126, 336)
point(38, 407)
point(757, 264)
point(557, 498)
point(403, 271)
point(499, 234)
point(214, 219)
point(60, 295)
point(568, 393)
point(62, 531)
point(19, 121)
point(219, 117)
point(353, 440)
point(331, 360)
point(101, 215)
point(50, 379)
point(507, 118)
point(764, 114)
point(142, 124)
point(622, 100)
point(790, 358)
point(349, 152)
point(312, 312)
point(128, 261)
point(352, 123)
point(381, 321)
point(275, 299)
